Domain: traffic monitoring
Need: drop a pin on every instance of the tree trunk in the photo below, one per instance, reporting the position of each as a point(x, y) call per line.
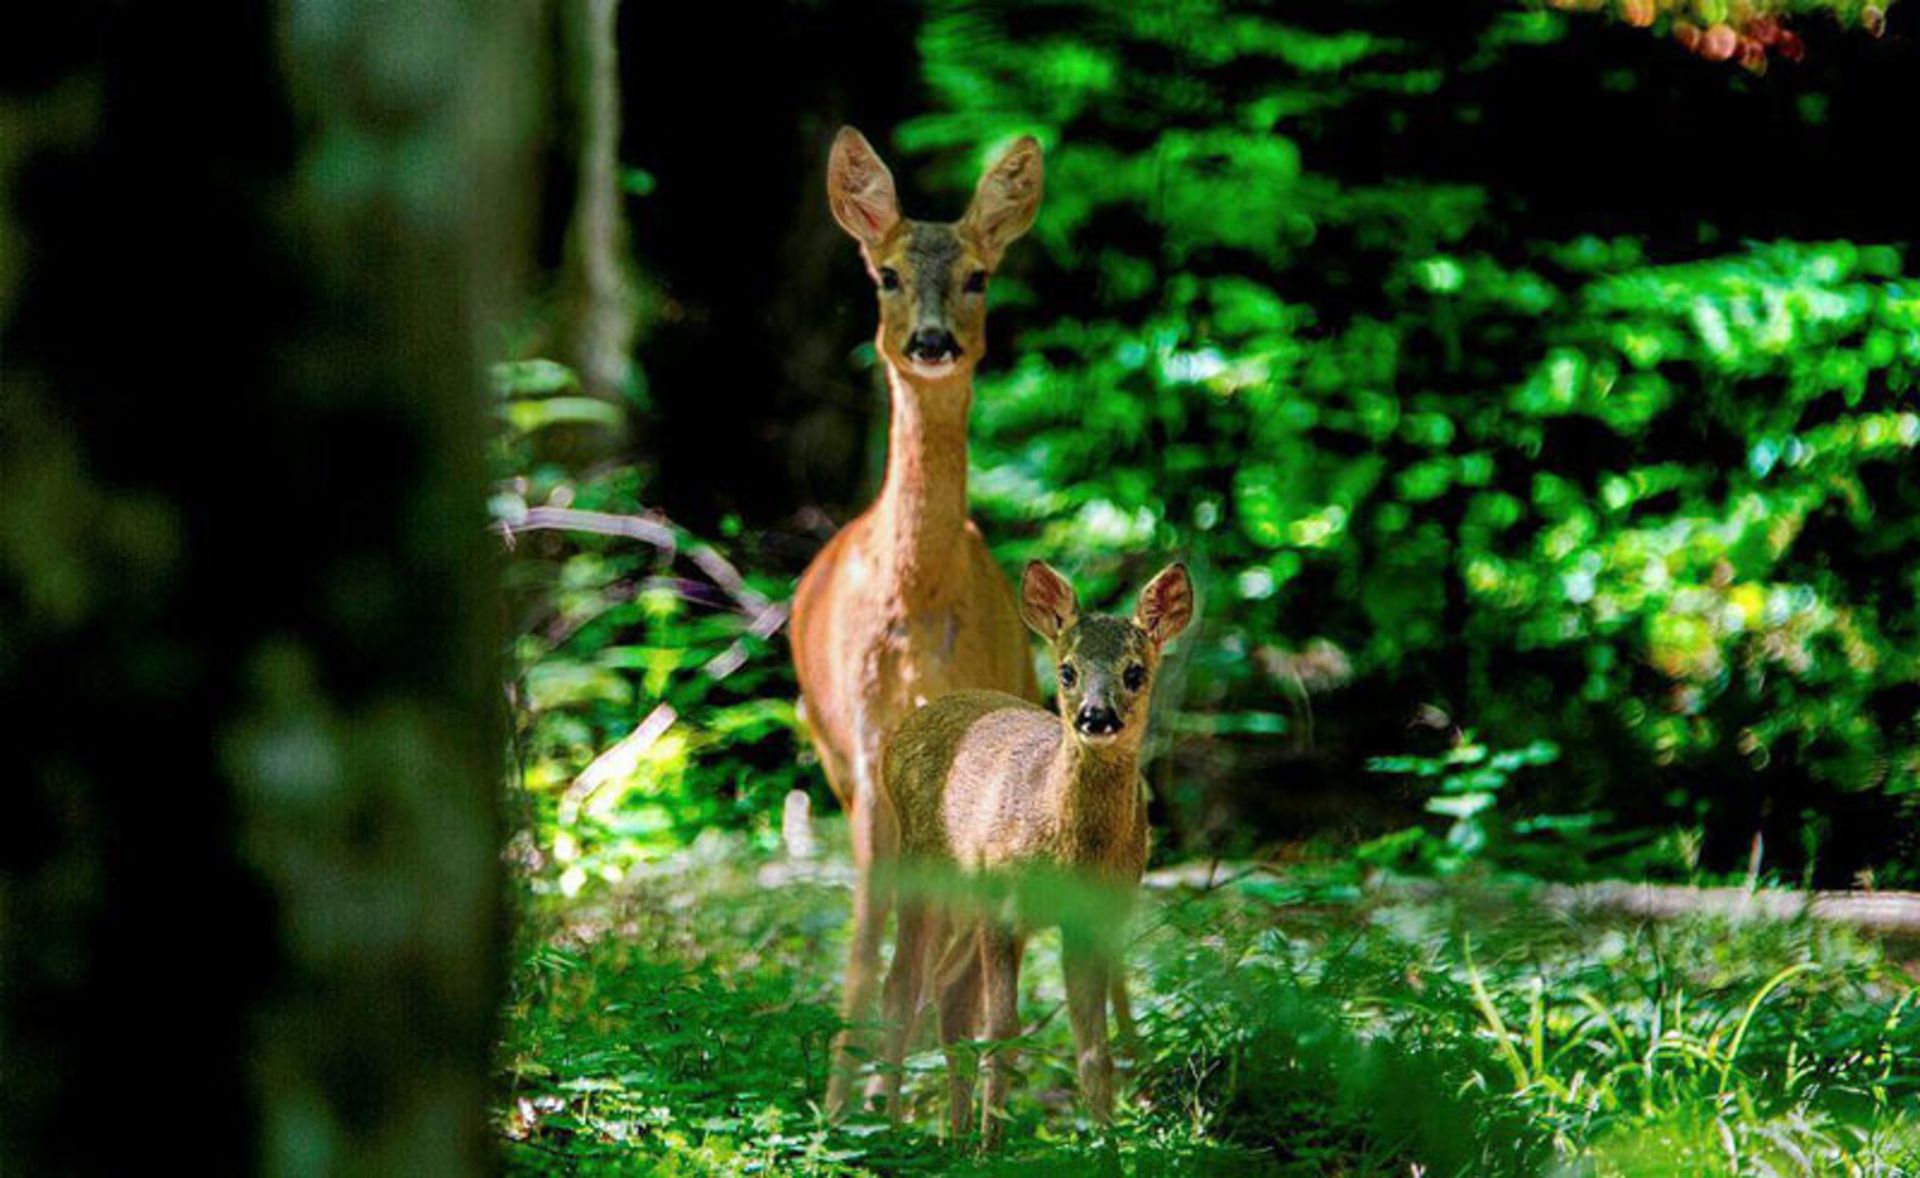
point(598, 313)
point(250, 890)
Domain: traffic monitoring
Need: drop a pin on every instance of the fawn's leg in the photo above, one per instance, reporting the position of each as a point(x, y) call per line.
point(901, 1001)
point(957, 979)
point(1000, 948)
point(1088, 979)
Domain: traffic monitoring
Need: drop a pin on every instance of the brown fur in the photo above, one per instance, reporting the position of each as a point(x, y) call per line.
point(906, 603)
point(981, 781)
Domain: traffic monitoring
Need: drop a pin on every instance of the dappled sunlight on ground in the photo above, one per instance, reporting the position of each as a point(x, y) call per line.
point(1292, 1025)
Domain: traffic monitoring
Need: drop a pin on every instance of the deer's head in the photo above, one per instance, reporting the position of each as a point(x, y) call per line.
point(1106, 664)
point(932, 277)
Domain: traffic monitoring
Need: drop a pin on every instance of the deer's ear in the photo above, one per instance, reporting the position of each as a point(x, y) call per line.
point(1166, 604)
point(860, 189)
point(1047, 601)
point(1007, 200)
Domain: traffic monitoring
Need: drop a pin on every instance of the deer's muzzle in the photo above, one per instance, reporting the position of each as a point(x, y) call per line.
point(1096, 720)
point(931, 345)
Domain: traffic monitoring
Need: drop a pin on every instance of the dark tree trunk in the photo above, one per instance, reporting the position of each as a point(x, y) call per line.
point(598, 317)
point(762, 297)
point(249, 872)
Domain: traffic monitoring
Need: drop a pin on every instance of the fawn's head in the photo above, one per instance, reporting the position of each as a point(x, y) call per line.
point(932, 277)
point(1106, 664)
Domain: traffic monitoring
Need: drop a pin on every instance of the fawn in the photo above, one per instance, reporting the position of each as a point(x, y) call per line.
point(906, 603)
point(983, 782)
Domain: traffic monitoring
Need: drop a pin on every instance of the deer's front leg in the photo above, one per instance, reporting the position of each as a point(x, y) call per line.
point(875, 847)
point(855, 1042)
point(1089, 974)
point(1000, 949)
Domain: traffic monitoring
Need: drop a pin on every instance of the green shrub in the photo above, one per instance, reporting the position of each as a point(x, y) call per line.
point(1656, 512)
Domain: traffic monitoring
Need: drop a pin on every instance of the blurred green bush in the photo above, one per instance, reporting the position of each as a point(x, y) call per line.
point(1653, 511)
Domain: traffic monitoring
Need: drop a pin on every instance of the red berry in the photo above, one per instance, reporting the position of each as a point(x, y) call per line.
point(1765, 30)
point(1688, 34)
point(1638, 13)
point(1719, 43)
point(1791, 46)
point(1753, 57)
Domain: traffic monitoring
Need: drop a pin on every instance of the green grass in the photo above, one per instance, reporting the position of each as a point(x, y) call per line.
point(678, 1024)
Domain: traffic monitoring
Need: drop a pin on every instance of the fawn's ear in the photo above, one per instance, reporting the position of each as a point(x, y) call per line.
point(1047, 602)
point(1007, 200)
point(1166, 604)
point(860, 189)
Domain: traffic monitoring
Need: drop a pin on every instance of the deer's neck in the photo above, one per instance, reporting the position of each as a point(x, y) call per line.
point(1096, 792)
point(922, 510)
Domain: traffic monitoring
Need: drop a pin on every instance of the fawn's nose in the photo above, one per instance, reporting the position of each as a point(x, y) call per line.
point(932, 344)
point(1097, 720)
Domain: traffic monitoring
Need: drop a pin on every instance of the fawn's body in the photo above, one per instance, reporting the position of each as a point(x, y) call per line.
point(906, 603)
point(983, 782)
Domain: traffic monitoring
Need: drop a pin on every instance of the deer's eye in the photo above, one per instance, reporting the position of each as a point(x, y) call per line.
point(1135, 677)
point(976, 282)
point(889, 278)
point(1067, 675)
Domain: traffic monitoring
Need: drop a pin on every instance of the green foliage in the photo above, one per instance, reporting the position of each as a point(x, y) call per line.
point(1650, 510)
point(652, 699)
point(1467, 781)
point(1291, 1026)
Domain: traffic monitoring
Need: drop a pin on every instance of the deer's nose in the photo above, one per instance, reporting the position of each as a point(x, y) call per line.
point(932, 344)
point(1097, 720)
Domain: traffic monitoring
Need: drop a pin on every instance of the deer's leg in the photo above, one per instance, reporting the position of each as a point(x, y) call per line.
point(834, 766)
point(958, 980)
point(902, 998)
point(875, 844)
point(1089, 977)
point(1000, 948)
point(853, 1044)
point(1126, 1031)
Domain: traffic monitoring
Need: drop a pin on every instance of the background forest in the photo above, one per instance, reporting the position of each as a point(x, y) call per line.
point(1533, 399)
point(413, 419)
point(1500, 372)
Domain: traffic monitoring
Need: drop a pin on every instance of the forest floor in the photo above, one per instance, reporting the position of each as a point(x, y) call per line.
point(678, 1023)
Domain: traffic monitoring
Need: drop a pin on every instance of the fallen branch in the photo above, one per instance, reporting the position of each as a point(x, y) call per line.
point(1893, 914)
point(765, 617)
point(618, 762)
point(771, 618)
point(1886, 913)
point(600, 523)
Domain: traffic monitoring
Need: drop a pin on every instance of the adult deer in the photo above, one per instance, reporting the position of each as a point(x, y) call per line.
point(906, 603)
point(983, 782)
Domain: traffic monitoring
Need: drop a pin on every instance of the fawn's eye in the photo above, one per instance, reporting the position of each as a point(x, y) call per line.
point(976, 282)
point(1067, 675)
point(1135, 677)
point(889, 278)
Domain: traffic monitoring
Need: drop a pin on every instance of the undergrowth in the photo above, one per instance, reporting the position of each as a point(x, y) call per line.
point(678, 1023)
